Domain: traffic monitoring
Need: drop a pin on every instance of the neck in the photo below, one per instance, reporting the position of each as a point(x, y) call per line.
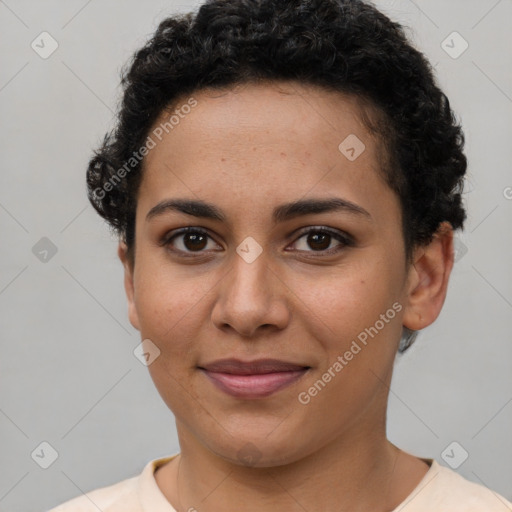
point(355, 472)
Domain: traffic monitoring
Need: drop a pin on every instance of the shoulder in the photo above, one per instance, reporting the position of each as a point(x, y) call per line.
point(134, 494)
point(117, 497)
point(444, 490)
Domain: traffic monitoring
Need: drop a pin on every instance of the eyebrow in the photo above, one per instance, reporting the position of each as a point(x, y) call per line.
point(202, 209)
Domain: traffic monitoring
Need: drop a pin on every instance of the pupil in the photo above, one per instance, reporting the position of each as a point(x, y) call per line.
point(195, 240)
point(314, 239)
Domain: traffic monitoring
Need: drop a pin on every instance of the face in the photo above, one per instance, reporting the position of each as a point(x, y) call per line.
point(322, 288)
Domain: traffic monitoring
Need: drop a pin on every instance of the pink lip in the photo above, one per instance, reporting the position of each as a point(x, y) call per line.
point(256, 379)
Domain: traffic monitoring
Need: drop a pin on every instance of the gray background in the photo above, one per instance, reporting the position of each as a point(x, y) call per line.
point(67, 370)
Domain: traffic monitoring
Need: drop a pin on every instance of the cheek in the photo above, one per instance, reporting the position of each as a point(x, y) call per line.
point(171, 314)
point(360, 345)
point(360, 321)
point(348, 299)
point(169, 306)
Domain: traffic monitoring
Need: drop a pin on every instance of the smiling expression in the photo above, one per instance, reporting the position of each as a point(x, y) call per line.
point(295, 250)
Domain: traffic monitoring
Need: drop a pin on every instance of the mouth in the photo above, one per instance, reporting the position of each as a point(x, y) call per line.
point(252, 379)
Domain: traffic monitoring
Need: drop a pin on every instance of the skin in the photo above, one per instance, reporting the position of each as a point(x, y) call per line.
point(247, 150)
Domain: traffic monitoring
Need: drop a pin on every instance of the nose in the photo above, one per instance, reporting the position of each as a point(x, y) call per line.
point(251, 298)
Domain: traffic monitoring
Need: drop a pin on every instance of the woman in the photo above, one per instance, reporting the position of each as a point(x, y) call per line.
point(285, 179)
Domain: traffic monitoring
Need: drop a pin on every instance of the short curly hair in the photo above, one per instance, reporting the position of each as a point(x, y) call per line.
point(342, 45)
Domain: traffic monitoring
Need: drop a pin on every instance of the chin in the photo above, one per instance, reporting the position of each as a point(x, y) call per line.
point(259, 450)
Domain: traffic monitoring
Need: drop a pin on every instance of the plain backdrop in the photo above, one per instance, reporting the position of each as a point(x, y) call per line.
point(68, 374)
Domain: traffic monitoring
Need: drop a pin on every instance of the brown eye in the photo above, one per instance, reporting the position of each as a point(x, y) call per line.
point(320, 240)
point(194, 241)
point(189, 240)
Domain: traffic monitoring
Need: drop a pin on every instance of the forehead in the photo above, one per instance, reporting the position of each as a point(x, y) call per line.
point(258, 142)
point(300, 109)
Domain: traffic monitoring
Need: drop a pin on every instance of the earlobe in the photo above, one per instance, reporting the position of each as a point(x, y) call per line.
point(428, 278)
point(129, 284)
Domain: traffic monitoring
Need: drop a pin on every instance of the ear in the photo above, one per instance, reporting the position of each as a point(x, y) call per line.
point(129, 284)
point(427, 281)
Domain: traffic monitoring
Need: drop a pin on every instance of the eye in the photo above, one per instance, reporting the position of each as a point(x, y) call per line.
point(190, 240)
point(320, 239)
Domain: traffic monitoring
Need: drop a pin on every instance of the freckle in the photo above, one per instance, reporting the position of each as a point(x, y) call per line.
point(222, 159)
point(362, 281)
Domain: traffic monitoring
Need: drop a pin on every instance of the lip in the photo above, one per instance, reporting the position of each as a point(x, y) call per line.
point(252, 379)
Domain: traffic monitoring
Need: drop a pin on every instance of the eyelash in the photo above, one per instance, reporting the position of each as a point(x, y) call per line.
point(346, 240)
